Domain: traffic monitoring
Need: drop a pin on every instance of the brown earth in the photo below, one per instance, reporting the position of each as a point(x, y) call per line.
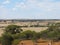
point(30, 42)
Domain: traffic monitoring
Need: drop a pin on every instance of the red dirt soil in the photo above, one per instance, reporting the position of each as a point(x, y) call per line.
point(30, 42)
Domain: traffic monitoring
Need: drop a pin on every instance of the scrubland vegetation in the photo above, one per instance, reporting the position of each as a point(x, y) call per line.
point(13, 34)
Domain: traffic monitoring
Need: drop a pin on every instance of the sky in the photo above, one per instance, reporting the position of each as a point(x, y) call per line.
point(29, 9)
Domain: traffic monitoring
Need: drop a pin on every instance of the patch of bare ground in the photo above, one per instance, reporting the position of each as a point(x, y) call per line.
point(56, 43)
point(41, 42)
point(26, 42)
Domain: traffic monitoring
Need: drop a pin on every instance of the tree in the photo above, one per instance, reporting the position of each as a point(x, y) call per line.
point(28, 34)
point(52, 33)
point(6, 39)
point(22, 36)
point(13, 29)
point(11, 33)
point(54, 27)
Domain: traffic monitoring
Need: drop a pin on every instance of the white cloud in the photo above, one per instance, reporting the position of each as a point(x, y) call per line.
point(45, 7)
point(19, 6)
point(6, 2)
point(14, 9)
point(3, 12)
point(31, 1)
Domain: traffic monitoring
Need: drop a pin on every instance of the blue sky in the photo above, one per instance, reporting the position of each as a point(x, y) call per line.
point(29, 9)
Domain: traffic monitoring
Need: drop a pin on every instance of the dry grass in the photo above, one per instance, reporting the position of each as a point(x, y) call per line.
point(37, 29)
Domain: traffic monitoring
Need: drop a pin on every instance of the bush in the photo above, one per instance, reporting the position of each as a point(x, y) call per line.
point(30, 35)
point(6, 39)
point(22, 36)
point(16, 36)
point(0, 39)
point(15, 42)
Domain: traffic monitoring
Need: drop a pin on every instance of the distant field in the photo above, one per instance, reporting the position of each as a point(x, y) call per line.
point(37, 29)
point(1, 31)
point(28, 23)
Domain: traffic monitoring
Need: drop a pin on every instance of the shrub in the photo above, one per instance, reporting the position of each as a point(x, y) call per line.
point(6, 39)
point(15, 42)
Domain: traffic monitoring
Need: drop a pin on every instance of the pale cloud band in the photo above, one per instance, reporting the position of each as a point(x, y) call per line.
point(38, 9)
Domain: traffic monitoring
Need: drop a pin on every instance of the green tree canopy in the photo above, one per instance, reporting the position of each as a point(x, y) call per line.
point(53, 32)
point(13, 29)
